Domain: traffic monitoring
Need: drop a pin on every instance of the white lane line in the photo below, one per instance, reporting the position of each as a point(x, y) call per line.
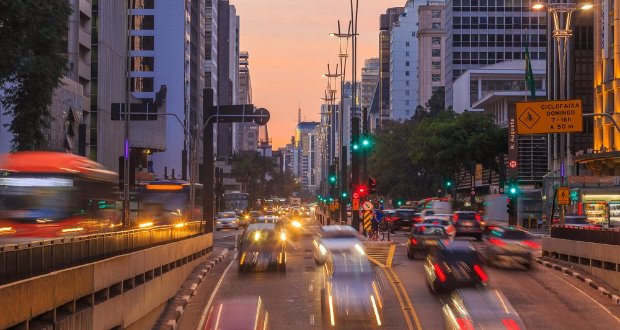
point(217, 287)
point(585, 294)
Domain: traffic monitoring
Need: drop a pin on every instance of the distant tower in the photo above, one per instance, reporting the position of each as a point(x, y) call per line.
point(299, 113)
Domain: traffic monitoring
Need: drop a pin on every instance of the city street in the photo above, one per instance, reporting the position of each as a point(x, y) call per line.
point(545, 299)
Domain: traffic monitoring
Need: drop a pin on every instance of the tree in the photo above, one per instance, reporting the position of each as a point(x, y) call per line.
point(32, 34)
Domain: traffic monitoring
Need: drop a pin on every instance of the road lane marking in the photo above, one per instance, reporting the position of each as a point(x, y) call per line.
point(585, 294)
point(398, 296)
point(390, 255)
point(411, 309)
point(215, 290)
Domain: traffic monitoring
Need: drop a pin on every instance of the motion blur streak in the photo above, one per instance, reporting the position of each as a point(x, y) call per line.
point(374, 307)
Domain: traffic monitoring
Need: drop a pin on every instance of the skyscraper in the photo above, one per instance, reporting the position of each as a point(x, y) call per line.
point(385, 27)
point(488, 32)
point(431, 49)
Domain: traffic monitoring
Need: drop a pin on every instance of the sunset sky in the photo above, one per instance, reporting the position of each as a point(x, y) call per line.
point(290, 46)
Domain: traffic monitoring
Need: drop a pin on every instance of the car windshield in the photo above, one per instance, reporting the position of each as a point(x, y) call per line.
point(349, 263)
point(227, 215)
point(259, 235)
point(459, 255)
point(429, 231)
point(516, 234)
point(442, 222)
point(339, 234)
point(466, 216)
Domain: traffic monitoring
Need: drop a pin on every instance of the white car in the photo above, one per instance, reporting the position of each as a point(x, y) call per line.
point(334, 237)
point(226, 220)
point(442, 221)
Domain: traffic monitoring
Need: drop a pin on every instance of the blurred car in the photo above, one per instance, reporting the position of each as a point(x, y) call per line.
point(262, 246)
point(333, 237)
point(510, 246)
point(576, 221)
point(266, 219)
point(226, 220)
point(424, 237)
point(454, 265)
point(480, 309)
point(446, 224)
point(468, 223)
point(350, 294)
point(403, 218)
point(238, 313)
point(295, 227)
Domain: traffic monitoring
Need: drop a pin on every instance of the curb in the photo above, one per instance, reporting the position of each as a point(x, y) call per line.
point(181, 302)
point(614, 298)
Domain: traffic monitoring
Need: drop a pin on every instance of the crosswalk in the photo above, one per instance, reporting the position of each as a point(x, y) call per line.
point(381, 253)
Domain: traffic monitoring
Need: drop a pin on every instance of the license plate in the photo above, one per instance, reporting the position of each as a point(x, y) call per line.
point(467, 223)
point(431, 243)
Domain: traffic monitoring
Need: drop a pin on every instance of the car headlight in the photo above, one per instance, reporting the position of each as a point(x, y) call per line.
point(218, 221)
point(296, 224)
point(283, 236)
point(323, 249)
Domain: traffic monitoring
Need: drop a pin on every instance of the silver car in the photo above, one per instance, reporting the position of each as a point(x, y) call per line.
point(334, 237)
point(480, 309)
point(226, 220)
point(511, 246)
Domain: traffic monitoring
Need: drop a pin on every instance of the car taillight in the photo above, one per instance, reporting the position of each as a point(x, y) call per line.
point(413, 241)
point(464, 324)
point(417, 218)
point(532, 244)
point(455, 217)
point(439, 272)
point(497, 241)
point(511, 324)
point(478, 217)
point(480, 272)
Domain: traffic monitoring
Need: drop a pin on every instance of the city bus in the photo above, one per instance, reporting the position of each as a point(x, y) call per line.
point(52, 194)
point(236, 201)
point(166, 202)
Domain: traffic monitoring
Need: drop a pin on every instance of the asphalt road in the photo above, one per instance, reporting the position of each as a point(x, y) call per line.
point(544, 298)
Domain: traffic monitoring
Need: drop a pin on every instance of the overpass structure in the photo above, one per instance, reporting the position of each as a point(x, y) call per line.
point(119, 280)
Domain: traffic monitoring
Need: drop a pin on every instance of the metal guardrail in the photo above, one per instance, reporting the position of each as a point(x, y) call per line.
point(25, 260)
point(585, 234)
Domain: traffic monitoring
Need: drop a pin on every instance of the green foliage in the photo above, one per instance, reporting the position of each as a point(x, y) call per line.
point(412, 160)
point(32, 36)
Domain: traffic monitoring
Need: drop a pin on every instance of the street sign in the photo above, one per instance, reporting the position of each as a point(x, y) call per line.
point(512, 164)
point(563, 195)
point(549, 117)
point(356, 195)
point(367, 220)
point(261, 116)
point(367, 206)
point(355, 204)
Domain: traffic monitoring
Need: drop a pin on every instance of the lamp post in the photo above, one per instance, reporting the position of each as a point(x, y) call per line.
point(562, 13)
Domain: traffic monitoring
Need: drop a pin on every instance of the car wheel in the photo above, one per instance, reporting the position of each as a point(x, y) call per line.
point(410, 254)
point(479, 237)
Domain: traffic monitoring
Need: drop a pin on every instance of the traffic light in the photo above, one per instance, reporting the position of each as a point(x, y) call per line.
point(448, 184)
point(372, 184)
point(362, 190)
point(333, 179)
point(510, 205)
point(366, 142)
point(513, 188)
point(355, 146)
point(344, 194)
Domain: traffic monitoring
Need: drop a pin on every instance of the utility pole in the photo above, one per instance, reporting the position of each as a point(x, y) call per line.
point(364, 149)
point(355, 166)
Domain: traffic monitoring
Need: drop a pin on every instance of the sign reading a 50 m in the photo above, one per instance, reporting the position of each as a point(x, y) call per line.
point(544, 117)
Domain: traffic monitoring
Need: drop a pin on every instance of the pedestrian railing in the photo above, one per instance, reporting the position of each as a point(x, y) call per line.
point(587, 234)
point(25, 260)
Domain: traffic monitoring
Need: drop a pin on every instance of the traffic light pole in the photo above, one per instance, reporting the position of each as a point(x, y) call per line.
point(355, 166)
point(343, 184)
point(364, 150)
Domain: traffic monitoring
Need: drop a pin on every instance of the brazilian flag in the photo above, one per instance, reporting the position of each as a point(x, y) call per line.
point(529, 75)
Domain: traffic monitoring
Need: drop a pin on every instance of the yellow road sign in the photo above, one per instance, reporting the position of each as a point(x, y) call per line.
point(549, 117)
point(367, 220)
point(563, 195)
point(355, 204)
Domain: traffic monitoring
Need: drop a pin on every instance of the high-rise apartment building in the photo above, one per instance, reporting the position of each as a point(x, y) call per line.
point(404, 64)
point(385, 28)
point(484, 32)
point(245, 137)
point(211, 45)
point(167, 52)
point(306, 142)
point(369, 88)
point(431, 49)
point(227, 71)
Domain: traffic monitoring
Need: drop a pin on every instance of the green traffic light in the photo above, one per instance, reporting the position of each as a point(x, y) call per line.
point(365, 143)
point(344, 194)
point(355, 147)
point(448, 184)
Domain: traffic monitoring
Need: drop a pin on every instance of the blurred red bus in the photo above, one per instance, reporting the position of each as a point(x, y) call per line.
point(51, 194)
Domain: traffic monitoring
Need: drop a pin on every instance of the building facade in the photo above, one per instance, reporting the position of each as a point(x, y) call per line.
point(245, 137)
point(491, 32)
point(386, 22)
point(306, 142)
point(431, 49)
point(404, 64)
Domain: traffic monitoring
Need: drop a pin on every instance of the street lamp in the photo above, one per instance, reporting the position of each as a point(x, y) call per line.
point(562, 13)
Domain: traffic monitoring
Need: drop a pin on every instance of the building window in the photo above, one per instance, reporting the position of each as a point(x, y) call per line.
point(142, 63)
point(436, 13)
point(436, 40)
point(407, 44)
point(436, 65)
point(407, 73)
point(406, 82)
point(142, 84)
point(436, 26)
point(407, 92)
point(144, 4)
point(436, 78)
point(436, 52)
point(143, 22)
point(142, 43)
point(406, 63)
point(406, 54)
